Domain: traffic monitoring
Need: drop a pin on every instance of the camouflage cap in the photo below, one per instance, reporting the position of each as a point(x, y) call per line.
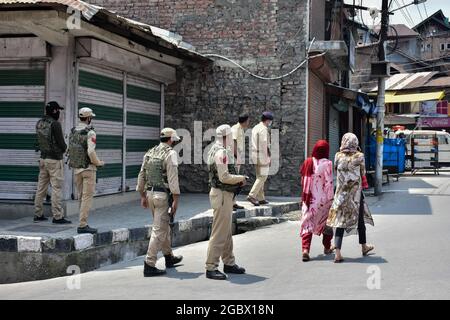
point(223, 130)
point(86, 113)
point(169, 133)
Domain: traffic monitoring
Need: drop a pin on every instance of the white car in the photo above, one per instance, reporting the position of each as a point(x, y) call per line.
point(427, 135)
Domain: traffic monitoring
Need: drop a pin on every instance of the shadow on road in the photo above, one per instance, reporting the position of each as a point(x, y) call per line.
point(371, 259)
point(322, 257)
point(245, 279)
point(396, 203)
point(175, 274)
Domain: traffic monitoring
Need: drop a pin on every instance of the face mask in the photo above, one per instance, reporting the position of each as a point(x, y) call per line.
point(270, 123)
point(174, 143)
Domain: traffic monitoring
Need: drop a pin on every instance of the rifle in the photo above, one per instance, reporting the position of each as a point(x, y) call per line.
point(171, 221)
point(239, 188)
point(170, 201)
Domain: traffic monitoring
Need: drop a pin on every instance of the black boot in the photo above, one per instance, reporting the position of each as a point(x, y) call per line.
point(233, 269)
point(39, 219)
point(61, 221)
point(87, 229)
point(215, 275)
point(237, 207)
point(171, 260)
point(150, 271)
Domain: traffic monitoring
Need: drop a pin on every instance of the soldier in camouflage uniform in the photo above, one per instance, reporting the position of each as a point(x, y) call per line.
point(224, 182)
point(83, 159)
point(52, 146)
point(157, 184)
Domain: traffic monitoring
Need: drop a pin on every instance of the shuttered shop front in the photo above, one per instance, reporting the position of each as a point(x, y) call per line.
point(143, 123)
point(316, 111)
point(22, 103)
point(333, 132)
point(101, 89)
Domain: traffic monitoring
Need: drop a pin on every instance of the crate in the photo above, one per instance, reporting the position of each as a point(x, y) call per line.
point(394, 151)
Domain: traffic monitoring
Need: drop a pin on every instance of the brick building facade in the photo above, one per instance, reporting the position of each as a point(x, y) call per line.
point(269, 38)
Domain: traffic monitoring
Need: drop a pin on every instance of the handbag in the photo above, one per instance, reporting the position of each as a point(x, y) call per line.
point(365, 184)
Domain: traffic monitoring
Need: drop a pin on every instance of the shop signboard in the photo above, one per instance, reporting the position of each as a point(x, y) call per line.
point(438, 122)
point(435, 108)
point(429, 108)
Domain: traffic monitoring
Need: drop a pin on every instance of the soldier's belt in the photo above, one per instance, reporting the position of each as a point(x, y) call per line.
point(157, 189)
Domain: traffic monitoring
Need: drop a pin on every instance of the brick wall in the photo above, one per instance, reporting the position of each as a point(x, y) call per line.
point(266, 36)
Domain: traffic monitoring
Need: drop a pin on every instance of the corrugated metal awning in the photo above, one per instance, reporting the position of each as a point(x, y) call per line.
point(88, 10)
point(407, 81)
point(414, 97)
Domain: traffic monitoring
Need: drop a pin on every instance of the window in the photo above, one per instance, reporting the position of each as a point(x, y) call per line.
point(428, 47)
point(442, 46)
point(448, 46)
point(422, 136)
point(442, 107)
point(442, 139)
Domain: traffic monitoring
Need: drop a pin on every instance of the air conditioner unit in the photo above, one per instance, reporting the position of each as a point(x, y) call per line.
point(380, 69)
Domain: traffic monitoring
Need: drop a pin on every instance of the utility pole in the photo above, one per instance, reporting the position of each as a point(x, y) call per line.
point(381, 98)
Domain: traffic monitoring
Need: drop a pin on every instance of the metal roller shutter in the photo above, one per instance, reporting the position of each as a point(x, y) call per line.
point(316, 111)
point(143, 124)
point(333, 132)
point(22, 102)
point(102, 90)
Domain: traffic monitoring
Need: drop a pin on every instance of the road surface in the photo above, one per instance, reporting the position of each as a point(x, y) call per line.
point(411, 261)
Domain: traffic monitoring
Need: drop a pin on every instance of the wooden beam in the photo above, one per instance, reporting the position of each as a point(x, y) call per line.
point(23, 47)
point(55, 38)
point(41, 23)
point(54, 20)
point(90, 30)
point(12, 17)
point(108, 54)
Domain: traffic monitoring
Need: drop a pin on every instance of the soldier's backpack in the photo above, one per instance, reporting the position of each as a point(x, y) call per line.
point(44, 135)
point(78, 145)
point(155, 173)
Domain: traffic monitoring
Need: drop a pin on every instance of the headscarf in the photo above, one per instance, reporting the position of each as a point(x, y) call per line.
point(349, 143)
point(320, 151)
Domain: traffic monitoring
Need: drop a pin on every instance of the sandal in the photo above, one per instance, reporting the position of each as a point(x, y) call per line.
point(329, 251)
point(339, 260)
point(369, 248)
point(305, 257)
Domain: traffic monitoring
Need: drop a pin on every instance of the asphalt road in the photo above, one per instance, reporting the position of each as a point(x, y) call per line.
point(411, 261)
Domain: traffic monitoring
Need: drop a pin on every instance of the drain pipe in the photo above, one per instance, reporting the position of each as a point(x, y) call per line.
point(308, 7)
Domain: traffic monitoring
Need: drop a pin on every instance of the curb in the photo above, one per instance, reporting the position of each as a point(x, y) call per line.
point(10, 243)
point(27, 258)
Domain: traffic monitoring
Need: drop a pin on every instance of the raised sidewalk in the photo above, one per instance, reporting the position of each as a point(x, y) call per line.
point(33, 251)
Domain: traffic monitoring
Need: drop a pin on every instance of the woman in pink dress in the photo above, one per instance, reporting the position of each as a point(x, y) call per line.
point(317, 197)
